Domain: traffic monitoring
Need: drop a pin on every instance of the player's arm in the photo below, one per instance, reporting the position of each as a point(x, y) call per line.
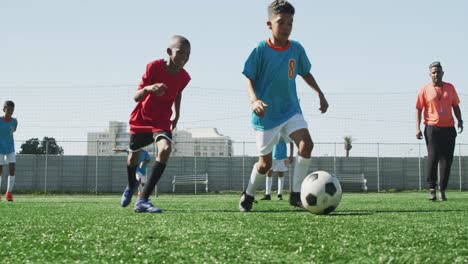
point(457, 112)
point(115, 149)
point(310, 80)
point(158, 89)
point(177, 102)
point(258, 106)
point(418, 123)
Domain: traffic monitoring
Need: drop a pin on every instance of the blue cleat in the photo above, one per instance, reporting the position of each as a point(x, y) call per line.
point(126, 197)
point(145, 206)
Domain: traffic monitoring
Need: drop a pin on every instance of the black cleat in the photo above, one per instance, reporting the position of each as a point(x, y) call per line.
point(432, 195)
point(442, 196)
point(246, 202)
point(295, 199)
point(267, 197)
point(280, 197)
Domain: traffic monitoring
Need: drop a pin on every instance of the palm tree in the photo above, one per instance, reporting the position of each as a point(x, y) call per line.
point(347, 144)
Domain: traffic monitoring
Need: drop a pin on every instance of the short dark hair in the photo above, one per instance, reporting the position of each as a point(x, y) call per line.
point(435, 64)
point(178, 39)
point(280, 7)
point(8, 104)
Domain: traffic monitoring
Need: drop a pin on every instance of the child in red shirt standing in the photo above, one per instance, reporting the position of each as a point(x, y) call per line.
point(160, 88)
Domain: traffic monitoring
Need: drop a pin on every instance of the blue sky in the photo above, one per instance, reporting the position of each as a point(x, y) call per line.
point(72, 66)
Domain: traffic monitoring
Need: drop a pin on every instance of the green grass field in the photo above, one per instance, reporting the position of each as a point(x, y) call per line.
point(366, 228)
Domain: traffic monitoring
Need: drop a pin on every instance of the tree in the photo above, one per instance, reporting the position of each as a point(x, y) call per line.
point(347, 144)
point(34, 146)
point(31, 146)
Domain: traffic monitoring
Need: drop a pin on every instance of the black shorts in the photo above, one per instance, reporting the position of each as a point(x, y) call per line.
point(139, 141)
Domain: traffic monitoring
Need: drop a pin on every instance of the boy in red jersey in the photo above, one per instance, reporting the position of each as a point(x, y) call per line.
point(160, 88)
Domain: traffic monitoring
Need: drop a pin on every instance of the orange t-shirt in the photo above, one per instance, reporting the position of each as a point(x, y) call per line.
point(437, 103)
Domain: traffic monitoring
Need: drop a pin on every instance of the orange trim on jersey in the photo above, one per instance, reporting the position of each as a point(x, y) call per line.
point(278, 48)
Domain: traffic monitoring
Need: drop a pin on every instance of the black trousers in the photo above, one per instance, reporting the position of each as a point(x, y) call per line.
point(440, 142)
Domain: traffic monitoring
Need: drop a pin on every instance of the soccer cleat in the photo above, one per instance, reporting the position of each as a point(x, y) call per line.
point(280, 197)
point(9, 196)
point(126, 197)
point(267, 197)
point(442, 196)
point(432, 195)
point(246, 202)
point(145, 206)
point(295, 199)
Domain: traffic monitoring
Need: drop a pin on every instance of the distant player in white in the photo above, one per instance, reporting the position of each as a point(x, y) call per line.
point(280, 166)
point(8, 126)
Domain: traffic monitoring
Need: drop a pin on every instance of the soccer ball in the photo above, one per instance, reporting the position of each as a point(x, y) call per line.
point(320, 192)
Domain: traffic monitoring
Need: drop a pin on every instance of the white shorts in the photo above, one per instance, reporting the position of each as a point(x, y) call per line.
point(10, 158)
point(267, 139)
point(140, 177)
point(279, 165)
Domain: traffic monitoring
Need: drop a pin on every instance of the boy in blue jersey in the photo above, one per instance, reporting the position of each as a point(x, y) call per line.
point(143, 159)
point(8, 126)
point(280, 165)
point(271, 70)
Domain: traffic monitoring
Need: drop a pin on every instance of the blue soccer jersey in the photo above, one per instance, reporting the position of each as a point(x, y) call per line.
point(143, 155)
point(273, 71)
point(279, 150)
point(7, 144)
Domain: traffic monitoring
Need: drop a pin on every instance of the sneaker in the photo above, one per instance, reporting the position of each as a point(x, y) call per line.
point(432, 195)
point(442, 196)
point(9, 196)
point(246, 202)
point(295, 199)
point(280, 197)
point(126, 197)
point(145, 206)
point(267, 197)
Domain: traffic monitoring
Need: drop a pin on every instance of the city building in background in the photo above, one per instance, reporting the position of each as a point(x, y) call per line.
point(201, 142)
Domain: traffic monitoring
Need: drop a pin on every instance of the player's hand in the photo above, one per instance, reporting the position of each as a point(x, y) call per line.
point(419, 134)
point(158, 89)
point(323, 104)
point(460, 127)
point(259, 108)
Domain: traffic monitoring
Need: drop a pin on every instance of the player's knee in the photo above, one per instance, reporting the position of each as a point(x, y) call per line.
point(263, 166)
point(305, 148)
point(166, 150)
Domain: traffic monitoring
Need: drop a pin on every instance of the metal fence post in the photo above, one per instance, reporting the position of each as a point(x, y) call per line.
point(378, 167)
point(334, 161)
point(419, 167)
point(196, 169)
point(45, 167)
point(96, 169)
point(243, 165)
point(459, 165)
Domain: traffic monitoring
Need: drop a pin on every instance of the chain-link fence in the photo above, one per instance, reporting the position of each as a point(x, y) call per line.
point(386, 166)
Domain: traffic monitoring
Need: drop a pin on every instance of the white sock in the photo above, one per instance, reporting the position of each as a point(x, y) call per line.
point(255, 179)
point(11, 183)
point(301, 167)
point(0, 181)
point(269, 181)
point(280, 185)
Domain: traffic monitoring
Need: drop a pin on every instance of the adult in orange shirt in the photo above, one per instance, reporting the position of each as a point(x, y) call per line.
point(437, 99)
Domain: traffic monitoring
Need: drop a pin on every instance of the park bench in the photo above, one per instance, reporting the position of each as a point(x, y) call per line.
point(193, 179)
point(353, 178)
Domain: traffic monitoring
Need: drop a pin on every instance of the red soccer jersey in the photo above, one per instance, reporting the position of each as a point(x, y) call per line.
point(153, 113)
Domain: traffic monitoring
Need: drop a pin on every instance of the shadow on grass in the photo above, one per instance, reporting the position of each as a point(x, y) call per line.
point(371, 212)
